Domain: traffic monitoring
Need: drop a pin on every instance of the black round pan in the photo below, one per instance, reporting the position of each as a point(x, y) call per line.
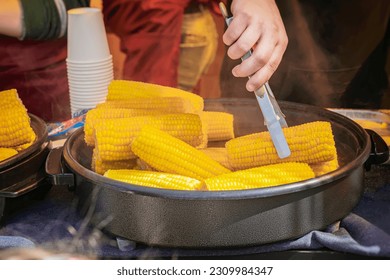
point(226, 218)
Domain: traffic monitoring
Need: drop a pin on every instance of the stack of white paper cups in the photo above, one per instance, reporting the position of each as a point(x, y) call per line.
point(89, 62)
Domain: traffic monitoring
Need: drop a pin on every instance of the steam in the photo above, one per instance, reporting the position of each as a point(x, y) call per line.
point(310, 60)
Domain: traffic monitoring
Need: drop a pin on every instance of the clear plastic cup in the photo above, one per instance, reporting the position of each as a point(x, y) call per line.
point(87, 38)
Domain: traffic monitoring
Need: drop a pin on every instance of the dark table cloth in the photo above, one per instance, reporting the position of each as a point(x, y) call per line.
point(53, 223)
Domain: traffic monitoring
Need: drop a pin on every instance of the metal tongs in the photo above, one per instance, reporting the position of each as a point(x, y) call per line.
point(274, 119)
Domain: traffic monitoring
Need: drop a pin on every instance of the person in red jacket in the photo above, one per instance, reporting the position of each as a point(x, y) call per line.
point(151, 33)
point(33, 53)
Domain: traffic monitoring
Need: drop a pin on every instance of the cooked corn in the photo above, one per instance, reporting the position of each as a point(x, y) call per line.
point(155, 179)
point(15, 128)
point(169, 154)
point(371, 124)
point(261, 177)
point(6, 153)
point(310, 142)
point(122, 89)
point(165, 104)
point(101, 166)
point(322, 168)
point(218, 154)
point(219, 125)
point(100, 113)
point(114, 136)
point(9, 99)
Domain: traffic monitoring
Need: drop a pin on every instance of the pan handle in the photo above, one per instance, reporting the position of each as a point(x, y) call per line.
point(379, 150)
point(56, 171)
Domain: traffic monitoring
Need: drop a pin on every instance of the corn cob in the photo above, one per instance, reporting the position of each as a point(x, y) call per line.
point(100, 113)
point(169, 154)
point(101, 166)
point(371, 124)
point(218, 154)
point(9, 99)
point(23, 146)
point(219, 125)
point(310, 142)
point(161, 103)
point(6, 153)
point(261, 177)
point(113, 137)
point(322, 168)
point(122, 89)
point(155, 179)
point(15, 128)
point(386, 138)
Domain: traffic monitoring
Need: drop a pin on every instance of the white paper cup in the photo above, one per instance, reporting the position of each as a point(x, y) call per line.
point(86, 98)
point(86, 75)
point(107, 66)
point(82, 78)
point(90, 63)
point(90, 82)
point(85, 104)
point(98, 71)
point(87, 38)
point(82, 66)
point(74, 92)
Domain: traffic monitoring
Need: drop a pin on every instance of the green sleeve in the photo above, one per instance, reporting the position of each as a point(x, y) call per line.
point(46, 19)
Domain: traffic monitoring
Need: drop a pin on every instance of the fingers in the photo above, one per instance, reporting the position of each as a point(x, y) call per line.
point(264, 73)
point(256, 26)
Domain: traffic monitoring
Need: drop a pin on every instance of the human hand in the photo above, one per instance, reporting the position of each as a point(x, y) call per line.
point(256, 25)
point(10, 18)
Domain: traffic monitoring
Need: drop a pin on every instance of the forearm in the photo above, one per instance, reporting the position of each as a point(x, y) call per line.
point(36, 19)
point(10, 18)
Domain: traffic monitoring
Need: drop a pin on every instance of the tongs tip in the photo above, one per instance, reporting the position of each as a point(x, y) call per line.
point(223, 9)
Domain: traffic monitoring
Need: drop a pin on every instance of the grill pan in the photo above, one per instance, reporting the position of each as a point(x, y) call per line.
point(225, 218)
point(40, 129)
point(23, 176)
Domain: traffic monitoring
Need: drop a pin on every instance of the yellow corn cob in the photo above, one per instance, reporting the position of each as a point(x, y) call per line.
point(219, 125)
point(322, 168)
point(7, 153)
point(371, 124)
point(218, 154)
point(101, 166)
point(161, 103)
point(261, 177)
point(155, 179)
point(23, 146)
point(9, 99)
point(122, 89)
point(114, 136)
point(310, 142)
point(386, 139)
point(15, 128)
point(100, 113)
point(170, 154)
